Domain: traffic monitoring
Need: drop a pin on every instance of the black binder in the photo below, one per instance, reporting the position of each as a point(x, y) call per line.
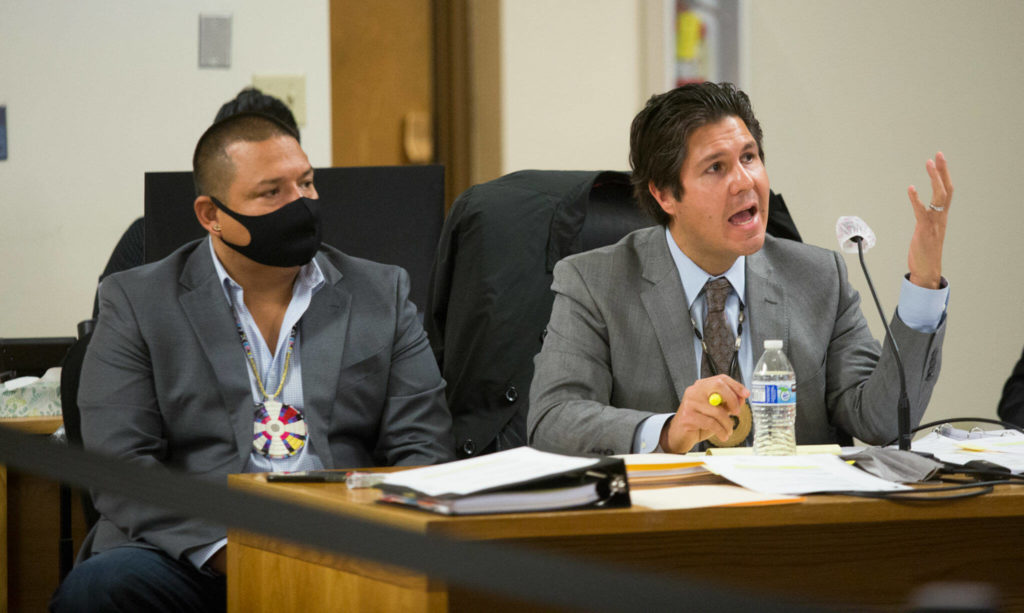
point(602, 484)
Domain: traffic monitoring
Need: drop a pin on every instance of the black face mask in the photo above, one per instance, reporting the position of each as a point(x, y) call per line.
point(290, 236)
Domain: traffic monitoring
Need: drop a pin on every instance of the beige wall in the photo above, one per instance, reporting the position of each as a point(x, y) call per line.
point(97, 93)
point(570, 71)
point(854, 97)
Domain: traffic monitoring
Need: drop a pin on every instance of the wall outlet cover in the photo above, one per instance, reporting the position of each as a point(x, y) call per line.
point(215, 41)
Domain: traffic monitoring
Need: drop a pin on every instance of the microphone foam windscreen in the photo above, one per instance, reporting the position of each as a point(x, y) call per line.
point(849, 227)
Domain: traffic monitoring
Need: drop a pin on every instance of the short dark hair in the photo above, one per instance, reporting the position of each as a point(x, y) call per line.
point(660, 135)
point(212, 168)
point(252, 100)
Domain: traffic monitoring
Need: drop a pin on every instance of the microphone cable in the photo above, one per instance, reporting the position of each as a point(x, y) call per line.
point(983, 475)
point(979, 488)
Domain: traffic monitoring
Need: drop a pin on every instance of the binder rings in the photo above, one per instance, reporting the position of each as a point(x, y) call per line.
point(514, 481)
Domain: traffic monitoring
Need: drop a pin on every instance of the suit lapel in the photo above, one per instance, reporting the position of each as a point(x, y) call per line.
point(766, 305)
point(665, 302)
point(211, 318)
point(323, 329)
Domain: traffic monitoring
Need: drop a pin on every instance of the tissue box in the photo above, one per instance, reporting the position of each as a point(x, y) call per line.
point(40, 398)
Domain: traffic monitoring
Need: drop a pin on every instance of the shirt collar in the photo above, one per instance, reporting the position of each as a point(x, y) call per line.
point(694, 277)
point(310, 277)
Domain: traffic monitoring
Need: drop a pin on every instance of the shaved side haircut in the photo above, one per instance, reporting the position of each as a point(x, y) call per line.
point(212, 169)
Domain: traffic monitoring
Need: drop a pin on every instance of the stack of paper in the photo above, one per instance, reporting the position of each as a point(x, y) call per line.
point(793, 474)
point(660, 469)
point(1002, 447)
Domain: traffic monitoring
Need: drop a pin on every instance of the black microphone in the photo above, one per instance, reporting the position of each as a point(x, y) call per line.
point(855, 236)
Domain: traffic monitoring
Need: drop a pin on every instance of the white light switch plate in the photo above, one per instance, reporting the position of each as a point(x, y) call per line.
point(291, 89)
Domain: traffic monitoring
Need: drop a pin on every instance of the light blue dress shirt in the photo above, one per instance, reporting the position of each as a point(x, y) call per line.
point(920, 309)
point(271, 365)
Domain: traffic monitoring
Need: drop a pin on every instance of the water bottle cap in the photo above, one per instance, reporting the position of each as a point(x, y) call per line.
point(773, 344)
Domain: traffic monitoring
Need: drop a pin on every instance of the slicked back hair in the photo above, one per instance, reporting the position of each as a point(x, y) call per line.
point(660, 134)
point(212, 168)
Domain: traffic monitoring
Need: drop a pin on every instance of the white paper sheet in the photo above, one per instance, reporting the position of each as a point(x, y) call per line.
point(1003, 447)
point(492, 470)
point(694, 496)
point(797, 474)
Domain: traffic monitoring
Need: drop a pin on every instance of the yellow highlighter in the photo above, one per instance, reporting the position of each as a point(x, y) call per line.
point(715, 399)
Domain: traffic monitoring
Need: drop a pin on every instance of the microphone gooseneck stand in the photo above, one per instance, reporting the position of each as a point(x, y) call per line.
point(903, 406)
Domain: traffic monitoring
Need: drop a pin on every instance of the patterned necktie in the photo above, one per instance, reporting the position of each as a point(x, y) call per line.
point(718, 336)
point(721, 346)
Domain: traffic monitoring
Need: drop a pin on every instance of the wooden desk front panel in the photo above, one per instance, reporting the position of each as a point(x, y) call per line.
point(32, 530)
point(876, 565)
point(848, 551)
point(261, 579)
point(854, 565)
point(30, 527)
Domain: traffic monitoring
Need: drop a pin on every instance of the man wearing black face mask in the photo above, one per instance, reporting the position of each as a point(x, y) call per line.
point(256, 349)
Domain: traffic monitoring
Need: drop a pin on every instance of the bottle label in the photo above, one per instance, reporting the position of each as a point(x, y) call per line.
point(773, 393)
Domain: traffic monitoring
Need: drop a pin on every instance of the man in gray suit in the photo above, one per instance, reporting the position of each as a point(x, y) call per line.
point(623, 368)
point(255, 349)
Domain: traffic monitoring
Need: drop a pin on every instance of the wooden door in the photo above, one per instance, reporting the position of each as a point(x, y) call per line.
point(381, 79)
point(417, 81)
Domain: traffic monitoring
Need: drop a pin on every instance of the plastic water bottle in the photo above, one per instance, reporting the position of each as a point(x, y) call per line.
point(773, 402)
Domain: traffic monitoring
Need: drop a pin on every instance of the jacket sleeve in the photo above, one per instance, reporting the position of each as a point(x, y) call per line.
point(863, 379)
point(570, 395)
point(121, 417)
point(1011, 405)
point(415, 427)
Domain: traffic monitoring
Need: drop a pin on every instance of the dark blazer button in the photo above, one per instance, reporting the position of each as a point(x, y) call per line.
point(511, 394)
point(468, 447)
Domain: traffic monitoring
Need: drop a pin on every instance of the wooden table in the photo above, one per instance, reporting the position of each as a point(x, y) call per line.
point(857, 553)
point(29, 528)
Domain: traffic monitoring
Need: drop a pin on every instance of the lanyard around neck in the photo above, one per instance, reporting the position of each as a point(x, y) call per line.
point(247, 346)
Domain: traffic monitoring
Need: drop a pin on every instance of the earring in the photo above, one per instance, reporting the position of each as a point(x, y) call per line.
point(216, 227)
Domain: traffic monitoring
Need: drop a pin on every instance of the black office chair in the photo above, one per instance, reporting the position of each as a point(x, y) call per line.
point(490, 295)
point(388, 214)
point(31, 357)
point(70, 374)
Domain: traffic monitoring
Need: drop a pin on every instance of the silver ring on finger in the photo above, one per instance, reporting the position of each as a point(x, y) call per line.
point(936, 208)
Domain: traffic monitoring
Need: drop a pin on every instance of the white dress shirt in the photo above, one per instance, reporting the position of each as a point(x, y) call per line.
point(271, 366)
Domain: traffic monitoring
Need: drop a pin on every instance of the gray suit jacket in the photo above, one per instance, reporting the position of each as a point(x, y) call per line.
point(619, 346)
point(165, 383)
